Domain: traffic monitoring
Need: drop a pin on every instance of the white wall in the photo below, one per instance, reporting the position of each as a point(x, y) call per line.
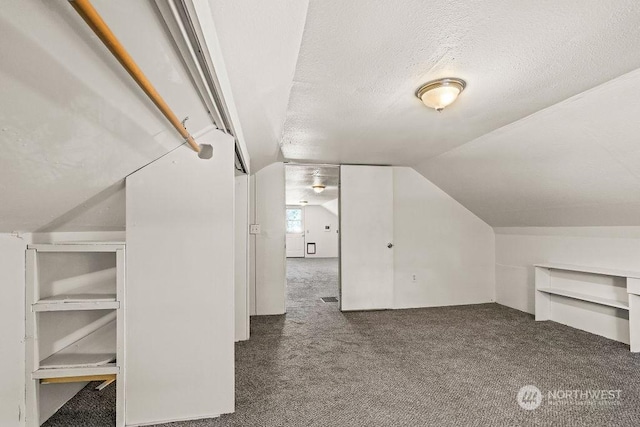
point(104, 212)
point(315, 219)
point(180, 293)
point(269, 256)
point(448, 248)
point(252, 246)
point(12, 369)
point(241, 247)
point(518, 248)
point(332, 206)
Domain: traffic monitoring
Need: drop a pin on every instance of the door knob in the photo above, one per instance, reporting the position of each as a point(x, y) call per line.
point(390, 245)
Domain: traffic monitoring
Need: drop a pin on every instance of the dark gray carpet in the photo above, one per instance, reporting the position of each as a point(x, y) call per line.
point(310, 279)
point(87, 408)
point(450, 366)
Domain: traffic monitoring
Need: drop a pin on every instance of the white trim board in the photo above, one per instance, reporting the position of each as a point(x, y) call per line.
point(592, 270)
point(174, 420)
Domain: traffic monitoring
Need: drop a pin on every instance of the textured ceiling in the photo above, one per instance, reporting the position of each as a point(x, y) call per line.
point(361, 61)
point(260, 41)
point(576, 163)
point(300, 178)
point(516, 148)
point(73, 124)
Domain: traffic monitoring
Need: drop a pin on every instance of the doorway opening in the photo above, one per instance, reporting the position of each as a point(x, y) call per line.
point(312, 235)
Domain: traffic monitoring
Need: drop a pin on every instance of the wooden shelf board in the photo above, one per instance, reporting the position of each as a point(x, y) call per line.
point(46, 373)
point(96, 349)
point(593, 270)
point(83, 379)
point(77, 302)
point(585, 297)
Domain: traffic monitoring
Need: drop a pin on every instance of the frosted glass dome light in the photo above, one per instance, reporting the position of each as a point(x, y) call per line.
point(440, 93)
point(318, 188)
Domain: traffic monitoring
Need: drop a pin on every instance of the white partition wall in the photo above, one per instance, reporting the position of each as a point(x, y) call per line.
point(12, 316)
point(444, 254)
point(270, 256)
point(241, 250)
point(180, 305)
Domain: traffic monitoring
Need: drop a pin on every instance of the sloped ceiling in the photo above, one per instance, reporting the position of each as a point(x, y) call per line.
point(72, 122)
point(329, 81)
point(260, 41)
point(361, 62)
point(576, 163)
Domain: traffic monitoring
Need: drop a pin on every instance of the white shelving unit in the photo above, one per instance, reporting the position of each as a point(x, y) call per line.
point(77, 302)
point(623, 298)
point(586, 297)
point(91, 351)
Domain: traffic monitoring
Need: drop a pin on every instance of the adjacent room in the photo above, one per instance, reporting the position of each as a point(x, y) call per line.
point(319, 213)
point(313, 235)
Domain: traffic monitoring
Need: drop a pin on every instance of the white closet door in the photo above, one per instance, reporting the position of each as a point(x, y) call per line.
point(366, 227)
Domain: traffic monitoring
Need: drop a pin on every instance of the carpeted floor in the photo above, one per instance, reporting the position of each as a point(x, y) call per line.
point(310, 279)
point(449, 366)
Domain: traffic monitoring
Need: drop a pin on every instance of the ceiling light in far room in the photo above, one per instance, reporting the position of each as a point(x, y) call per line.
point(318, 188)
point(303, 202)
point(440, 93)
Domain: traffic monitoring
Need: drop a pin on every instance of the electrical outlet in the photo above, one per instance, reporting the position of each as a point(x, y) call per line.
point(414, 278)
point(254, 229)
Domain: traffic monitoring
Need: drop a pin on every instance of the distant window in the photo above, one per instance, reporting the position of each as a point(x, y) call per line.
point(294, 220)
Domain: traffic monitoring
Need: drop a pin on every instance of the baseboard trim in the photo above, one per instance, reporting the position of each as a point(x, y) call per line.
point(174, 420)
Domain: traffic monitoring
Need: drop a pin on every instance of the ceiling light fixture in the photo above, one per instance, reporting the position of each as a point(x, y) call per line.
point(438, 94)
point(318, 188)
point(303, 202)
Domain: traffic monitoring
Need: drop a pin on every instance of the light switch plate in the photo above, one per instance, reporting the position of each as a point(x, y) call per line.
point(254, 229)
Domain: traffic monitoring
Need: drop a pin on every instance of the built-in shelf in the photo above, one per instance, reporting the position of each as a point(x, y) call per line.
point(584, 297)
point(106, 369)
point(78, 247)
point(624, 327)
point(96, 352)
point(77, 302)
point(91, 242)
point(592, 270)
point(95, 349)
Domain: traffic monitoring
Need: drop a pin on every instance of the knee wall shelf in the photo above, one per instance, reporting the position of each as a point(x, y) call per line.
point(77, 302)
point(74, 323)
point(620, 295)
